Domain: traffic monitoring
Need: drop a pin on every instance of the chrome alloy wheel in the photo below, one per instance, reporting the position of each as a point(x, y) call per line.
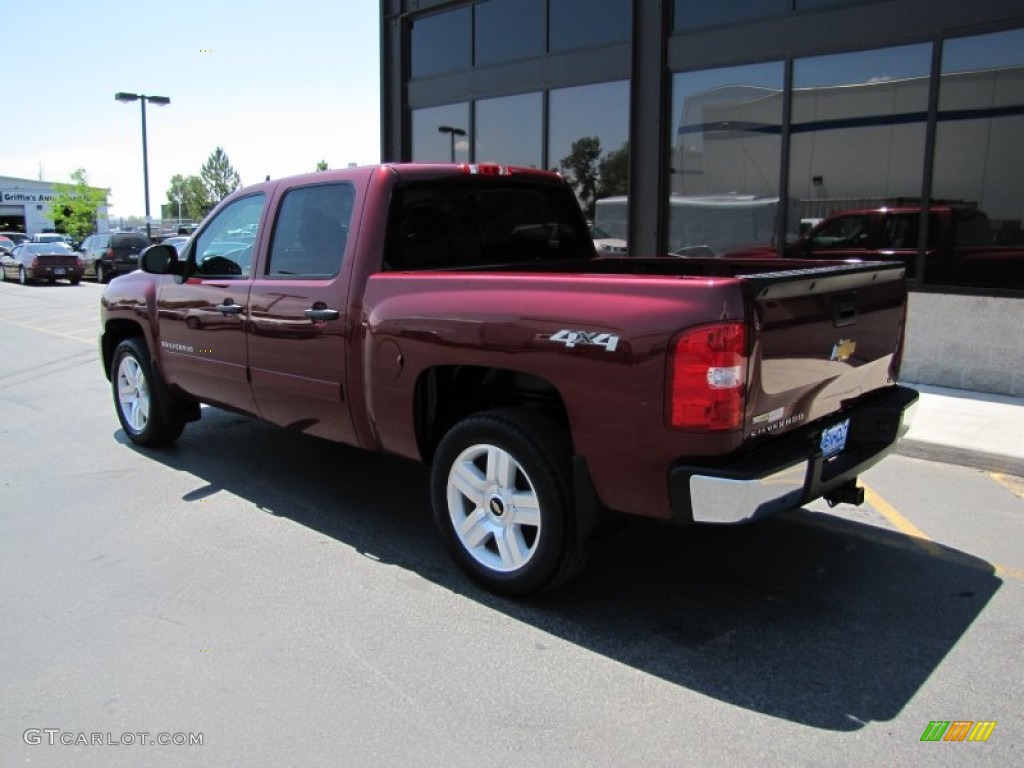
point(133, 394)
point(494, 508)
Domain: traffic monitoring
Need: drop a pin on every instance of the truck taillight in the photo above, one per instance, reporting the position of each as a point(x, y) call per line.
point(485, 169)
point(110, 253)
point(707, 377)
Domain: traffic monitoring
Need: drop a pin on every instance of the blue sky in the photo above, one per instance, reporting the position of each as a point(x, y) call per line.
point(278, 85)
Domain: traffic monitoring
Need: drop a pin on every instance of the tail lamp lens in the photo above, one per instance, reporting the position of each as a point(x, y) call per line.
point(707, 378)
point(485, 169)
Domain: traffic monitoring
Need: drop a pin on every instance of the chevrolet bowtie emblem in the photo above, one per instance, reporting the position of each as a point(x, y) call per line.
point(843, 349)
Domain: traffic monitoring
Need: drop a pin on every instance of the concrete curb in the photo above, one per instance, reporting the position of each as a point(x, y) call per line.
point(966, 457)
point(972, 429)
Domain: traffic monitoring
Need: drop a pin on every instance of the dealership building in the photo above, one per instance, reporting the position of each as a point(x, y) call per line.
point(688, 111)
point(25, 206)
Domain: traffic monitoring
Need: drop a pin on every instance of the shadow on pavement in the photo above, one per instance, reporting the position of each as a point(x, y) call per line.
point(804, 617)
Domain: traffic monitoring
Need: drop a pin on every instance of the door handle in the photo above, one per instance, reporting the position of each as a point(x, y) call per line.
point(229, 307)
point(322, 313)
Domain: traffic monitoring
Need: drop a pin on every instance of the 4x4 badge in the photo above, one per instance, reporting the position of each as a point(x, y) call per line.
point(843, 349)
point(610, 341)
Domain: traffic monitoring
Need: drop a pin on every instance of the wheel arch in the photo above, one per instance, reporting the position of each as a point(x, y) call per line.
point(172, 403)
point(114, 333)
point(446, 394)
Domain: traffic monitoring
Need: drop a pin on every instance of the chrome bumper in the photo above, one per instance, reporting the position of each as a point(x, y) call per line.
point(789, 471)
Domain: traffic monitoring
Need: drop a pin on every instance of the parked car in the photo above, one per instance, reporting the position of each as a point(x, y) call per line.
point(113, 253)
point(963, 245)
point(460, 315)
point(178, 241)
point(607, 245)
point(16, 237)
point(42, 261)
point(51, 237)
point(6, 245)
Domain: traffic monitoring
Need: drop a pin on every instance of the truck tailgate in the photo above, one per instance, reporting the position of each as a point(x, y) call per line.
point(822, 337)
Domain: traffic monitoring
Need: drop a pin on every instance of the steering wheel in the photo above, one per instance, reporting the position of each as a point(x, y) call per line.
point(218, 265)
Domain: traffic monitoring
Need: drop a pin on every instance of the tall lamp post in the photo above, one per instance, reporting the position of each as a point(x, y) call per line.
point(453, 132)
point(160, 101)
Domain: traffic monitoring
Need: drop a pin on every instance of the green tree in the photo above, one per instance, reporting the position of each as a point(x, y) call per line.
point(176, 195)
point(196, 198)
point(74, 206)
point(613, 173)
point(218, 176)
point(321, 166)
point(581, 170)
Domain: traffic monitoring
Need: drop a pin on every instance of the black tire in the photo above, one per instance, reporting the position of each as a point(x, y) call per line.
point(101, 276)
point(136, 397)
point(76, 280)
point(22, 276)
point(510, 546)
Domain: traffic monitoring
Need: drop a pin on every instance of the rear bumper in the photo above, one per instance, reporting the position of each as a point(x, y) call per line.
point(56, 273)
point(786, 472)
point(120, 265)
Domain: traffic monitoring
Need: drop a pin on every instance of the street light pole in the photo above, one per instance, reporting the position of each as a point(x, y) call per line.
point(453, 132)
point(160, 101)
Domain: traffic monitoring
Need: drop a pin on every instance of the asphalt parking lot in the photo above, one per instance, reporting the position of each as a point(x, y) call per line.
point(288, 601)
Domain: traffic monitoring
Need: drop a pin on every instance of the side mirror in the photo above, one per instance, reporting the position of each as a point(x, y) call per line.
point(161, 260)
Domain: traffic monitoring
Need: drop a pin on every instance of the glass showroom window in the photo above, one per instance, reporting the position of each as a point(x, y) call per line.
point(725, 159)
point(858, 133)
point(588, 141)
point(441, 43)
point(979, 160)
point(695, 14)
point(507, 30)
point(608, 22)
point(441, 134)
point(509, 130)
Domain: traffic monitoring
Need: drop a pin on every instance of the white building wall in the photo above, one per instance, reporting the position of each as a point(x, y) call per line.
point(33, 199)
point(966, 342)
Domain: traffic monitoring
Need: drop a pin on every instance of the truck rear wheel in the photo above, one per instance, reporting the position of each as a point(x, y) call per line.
point(502, 499)
point(135, 397)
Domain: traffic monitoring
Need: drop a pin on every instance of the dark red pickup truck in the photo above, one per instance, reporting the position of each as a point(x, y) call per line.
point(459, 315)
point(961, 244)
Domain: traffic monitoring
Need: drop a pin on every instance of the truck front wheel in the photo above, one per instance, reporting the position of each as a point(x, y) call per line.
point(136, 399)
point(502, 499)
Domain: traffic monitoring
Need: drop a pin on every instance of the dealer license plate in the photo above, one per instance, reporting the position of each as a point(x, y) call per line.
point(58, 271)
point(833, 439)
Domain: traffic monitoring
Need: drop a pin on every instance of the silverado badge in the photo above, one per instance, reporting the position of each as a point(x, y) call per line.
point(843, 349)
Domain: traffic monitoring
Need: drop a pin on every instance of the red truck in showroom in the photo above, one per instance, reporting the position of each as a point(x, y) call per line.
point(460, 316)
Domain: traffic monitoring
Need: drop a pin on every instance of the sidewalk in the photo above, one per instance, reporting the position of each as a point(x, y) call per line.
point(969, 428)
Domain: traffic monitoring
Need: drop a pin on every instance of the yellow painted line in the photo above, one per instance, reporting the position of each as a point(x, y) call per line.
point(923, 541)
point(48, 332)
point(1006, 572)
point(1011, 482)
point(900, 523)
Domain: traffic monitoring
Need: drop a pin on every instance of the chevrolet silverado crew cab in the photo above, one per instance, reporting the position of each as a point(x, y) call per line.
point(459, 315)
